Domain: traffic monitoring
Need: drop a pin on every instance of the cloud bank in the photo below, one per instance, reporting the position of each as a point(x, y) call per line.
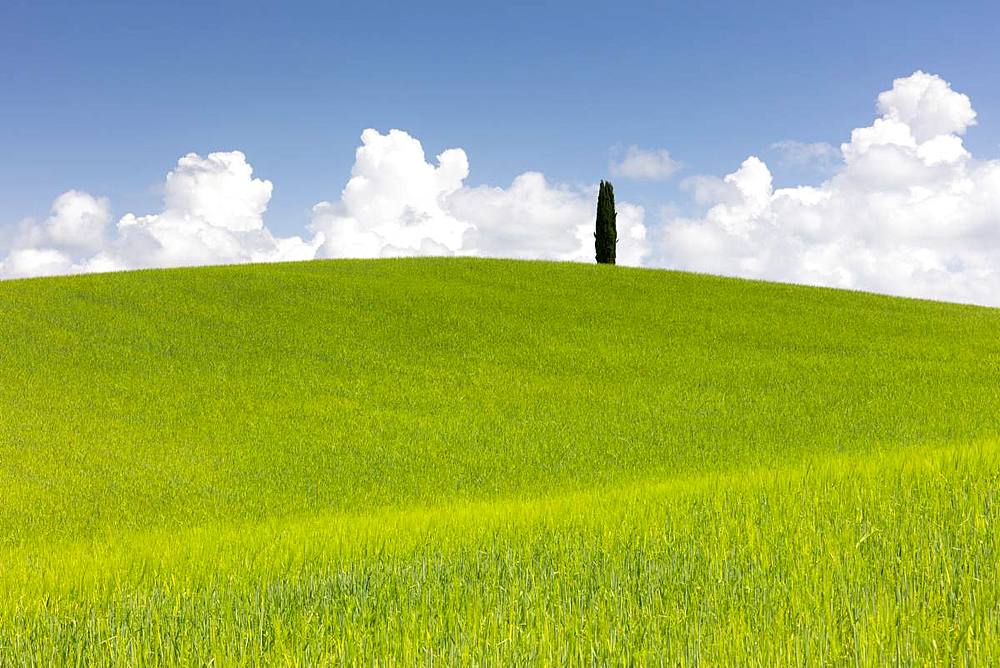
point(396, 203)
point(906, 210)
point(212, 214)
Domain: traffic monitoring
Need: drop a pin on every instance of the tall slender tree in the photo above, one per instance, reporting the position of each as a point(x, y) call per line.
point(606, 234)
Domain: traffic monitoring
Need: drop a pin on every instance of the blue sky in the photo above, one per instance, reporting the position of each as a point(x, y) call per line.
point(105, 96)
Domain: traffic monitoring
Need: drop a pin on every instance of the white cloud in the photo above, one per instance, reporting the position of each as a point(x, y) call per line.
point(645, 165)
point(533, 219)
point(819, 155)
point(77, 225)
point(927, 105)
point(909, 211)
point(213, 214)
point(219, 189)
point(23, 262)
point(78, 221)
point(396, 203)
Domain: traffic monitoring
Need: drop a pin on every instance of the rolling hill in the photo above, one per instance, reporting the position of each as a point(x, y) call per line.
point(471, 461)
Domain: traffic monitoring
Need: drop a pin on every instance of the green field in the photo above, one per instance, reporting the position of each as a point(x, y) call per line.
point(476, 462)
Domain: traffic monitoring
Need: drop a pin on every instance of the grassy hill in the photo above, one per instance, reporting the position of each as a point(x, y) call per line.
point(472, 460)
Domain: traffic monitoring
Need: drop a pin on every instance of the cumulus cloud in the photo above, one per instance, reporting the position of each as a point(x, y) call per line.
point(534, 219)
point(397, 203)
point(644, 164)
point(77, 226)
point(909, 212)
point(213, 214)
point(927, 105)
point(78, 221)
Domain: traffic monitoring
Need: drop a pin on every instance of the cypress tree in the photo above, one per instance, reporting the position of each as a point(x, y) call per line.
point(606, 235)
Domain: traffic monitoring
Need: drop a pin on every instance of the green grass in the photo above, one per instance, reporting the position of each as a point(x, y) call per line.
point(470, 461)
